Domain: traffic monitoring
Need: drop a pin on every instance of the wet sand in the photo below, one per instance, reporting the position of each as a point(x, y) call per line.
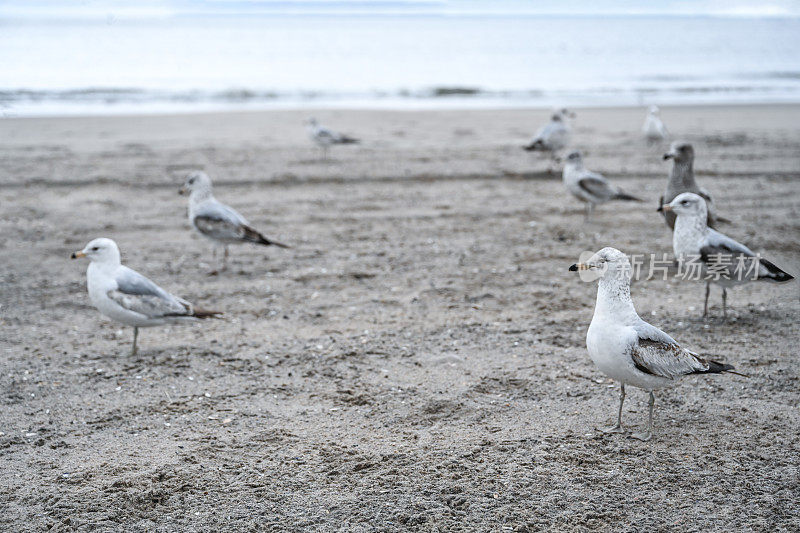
point(417, 360)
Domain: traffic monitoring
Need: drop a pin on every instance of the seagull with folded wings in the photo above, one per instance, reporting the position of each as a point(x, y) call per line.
point(216, 221)
point(625, 347)
point(590, 187)
point(720, 259)
point(127, 297)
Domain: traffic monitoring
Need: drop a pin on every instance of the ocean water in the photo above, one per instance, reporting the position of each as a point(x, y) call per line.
point(427, 61)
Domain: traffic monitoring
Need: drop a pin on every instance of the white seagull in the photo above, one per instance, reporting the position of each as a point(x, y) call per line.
point(127, 297)
point(216, 221)
point(709, 255)
point(681, 179)
point(588, 186)
point(554, 135)
point(653, 129)
point(628, 349)
point(325, 138)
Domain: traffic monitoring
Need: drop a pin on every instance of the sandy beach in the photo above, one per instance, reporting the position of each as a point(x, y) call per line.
point(417, 360)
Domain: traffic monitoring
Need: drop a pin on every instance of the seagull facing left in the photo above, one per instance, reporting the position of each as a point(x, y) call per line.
point(590, 187)
point(628, 349)
point(217, 221)
point(124, 295)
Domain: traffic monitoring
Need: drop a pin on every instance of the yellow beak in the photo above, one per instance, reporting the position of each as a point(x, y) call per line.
point(579, 266)
point(76, 255)
point(666, 208)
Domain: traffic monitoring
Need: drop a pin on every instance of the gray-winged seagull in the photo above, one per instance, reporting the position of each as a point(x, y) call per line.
point(628, 349)
point(124, 295)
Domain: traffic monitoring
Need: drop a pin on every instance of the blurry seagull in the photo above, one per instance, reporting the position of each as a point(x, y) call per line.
point(554, 135)
point(588, 186)
point(324, 137)
point(628, 349)
point(717, 258)
point(681, 179)
point(215, 220)
point(653, 129)
point(127, 297)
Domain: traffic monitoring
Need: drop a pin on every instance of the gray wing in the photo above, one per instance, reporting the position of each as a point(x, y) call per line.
point(658, 354)
point(553, 135)
point(597, 186)
point(218, 221)
point(734, 260)
point(138, 294)
point(326, 135)
point(720, 243)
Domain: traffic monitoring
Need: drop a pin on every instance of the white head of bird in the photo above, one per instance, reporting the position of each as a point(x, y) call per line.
point(608, 264)
point(102, 251)
point(688, 204)
point(197, 184)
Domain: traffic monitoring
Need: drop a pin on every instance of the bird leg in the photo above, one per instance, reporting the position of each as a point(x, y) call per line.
point(724, 302)
point(705, 306)
point(647, 435)
point(135, 336)
point(225, 258)
point(618, 427)
point(589, 209)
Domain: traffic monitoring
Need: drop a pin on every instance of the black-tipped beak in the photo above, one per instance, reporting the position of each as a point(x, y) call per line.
point(668, 156)
point(573, 267)
point(76, 255)
point(182, 191)
point(660, 209)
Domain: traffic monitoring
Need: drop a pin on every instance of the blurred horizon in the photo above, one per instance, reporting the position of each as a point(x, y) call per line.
point(259, 54)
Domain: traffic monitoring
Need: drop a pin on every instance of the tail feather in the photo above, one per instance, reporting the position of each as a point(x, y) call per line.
point(718, 368)
point(775, 273)
point(535, 145)
point(344, 139)
point(205, 313)
point(254, 236)
point(622, 195)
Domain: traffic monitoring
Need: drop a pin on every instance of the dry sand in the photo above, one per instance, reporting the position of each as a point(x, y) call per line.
point(417, 361)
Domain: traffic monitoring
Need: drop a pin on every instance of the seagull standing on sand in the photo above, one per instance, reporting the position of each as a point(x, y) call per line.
point(628, 349)
point(324, 137)
point(215, 220)
point(588, 186)
point(653, 129)
point(127, 297)
point(554, 135)
point(681, 179)
point(720, 259)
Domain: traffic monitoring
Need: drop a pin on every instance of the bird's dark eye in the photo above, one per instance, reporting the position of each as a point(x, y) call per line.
point(685, 202)
point(95, 248)
point(191, 181)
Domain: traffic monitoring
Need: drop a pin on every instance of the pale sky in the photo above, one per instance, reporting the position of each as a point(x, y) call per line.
point(164, 8)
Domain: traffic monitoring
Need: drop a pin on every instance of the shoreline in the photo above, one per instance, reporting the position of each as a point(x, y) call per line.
point(299, 108)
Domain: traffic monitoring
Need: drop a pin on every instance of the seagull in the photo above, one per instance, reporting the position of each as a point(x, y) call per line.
point(625, 347)
point(712, 255)
point(588, 186)
point(681, 179)
point(554, 135)
point(127, 297)
point(653, 129)
point(215, 220)
point(324, 137)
